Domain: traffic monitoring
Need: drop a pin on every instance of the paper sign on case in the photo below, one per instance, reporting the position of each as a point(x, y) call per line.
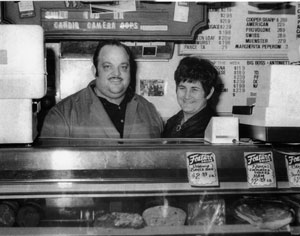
point(293, 169)
point(202, 169)
point(260, 169)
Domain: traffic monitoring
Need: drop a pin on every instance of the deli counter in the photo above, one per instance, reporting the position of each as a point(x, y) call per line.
point(146, 187)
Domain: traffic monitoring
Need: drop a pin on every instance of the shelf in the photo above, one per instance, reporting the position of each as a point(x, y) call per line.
point(47, 190)
point(174, 230)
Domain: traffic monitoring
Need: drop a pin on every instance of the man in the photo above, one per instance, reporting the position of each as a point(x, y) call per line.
point(108, 107)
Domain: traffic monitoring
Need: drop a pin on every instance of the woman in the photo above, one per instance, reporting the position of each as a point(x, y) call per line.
point(195, 80)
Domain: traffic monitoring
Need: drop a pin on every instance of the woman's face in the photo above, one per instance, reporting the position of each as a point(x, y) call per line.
point(191, 97)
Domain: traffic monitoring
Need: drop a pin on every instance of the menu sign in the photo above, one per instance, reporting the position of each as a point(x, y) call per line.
point(247, 30)
point(240, 80)
point(148, 22)
point(84, 20)
point(202, 169)
point(260, 169)
point(293, 169)
point(242, 39)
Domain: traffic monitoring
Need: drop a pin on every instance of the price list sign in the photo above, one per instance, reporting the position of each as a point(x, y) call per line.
point(293, 169)
point(240, 80)
point(260, 169)
point(242, 39)
point(247, 29)
point(202, 169)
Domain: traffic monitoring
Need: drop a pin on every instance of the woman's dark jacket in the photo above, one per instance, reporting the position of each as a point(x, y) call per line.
point(192, 128)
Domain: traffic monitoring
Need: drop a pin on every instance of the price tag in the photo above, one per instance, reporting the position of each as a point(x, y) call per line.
point(260, 169)
point(202, 169)
point(293, 169)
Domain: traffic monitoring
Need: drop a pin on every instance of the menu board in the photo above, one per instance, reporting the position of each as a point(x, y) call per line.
point(149, 21)
point(241, 40)
point(247, 30)
point(239, 81)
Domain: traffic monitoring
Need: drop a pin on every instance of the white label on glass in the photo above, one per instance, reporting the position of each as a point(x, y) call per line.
point(202, 169)
point(260, 169)
point(293, 169)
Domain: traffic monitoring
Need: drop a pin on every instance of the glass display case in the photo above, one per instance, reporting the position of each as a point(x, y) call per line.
point(144, 187)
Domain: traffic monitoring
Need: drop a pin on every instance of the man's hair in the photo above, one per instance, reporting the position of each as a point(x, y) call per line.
point(132, 62)
point(193, 69)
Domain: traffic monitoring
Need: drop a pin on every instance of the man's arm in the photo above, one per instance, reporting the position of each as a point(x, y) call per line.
point(55, 125)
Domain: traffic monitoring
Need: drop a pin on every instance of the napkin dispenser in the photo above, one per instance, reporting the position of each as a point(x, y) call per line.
point(22, 79)
point(222, 130)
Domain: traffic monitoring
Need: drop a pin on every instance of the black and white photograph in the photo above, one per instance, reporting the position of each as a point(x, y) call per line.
point(149, 118)
point(152, 87)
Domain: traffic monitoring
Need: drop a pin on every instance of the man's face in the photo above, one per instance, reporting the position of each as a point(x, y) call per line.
point(191, 97)
point(113, 73)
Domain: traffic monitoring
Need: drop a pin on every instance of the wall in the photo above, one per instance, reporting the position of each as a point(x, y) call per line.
point(243, 39)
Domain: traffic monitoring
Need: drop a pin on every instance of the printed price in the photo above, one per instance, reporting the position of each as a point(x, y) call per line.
point(260, 175)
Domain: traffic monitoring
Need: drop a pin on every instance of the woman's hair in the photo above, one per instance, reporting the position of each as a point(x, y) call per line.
point(132, 63)
point(193, 69)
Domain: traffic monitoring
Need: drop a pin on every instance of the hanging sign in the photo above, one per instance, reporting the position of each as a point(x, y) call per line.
point(202, 169)
point(293, 169)
point(260, 169)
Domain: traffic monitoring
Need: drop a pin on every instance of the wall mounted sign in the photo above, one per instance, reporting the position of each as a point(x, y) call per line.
point(150, 21)
point(245, 30)
point(144, 23)
point(240, 80)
